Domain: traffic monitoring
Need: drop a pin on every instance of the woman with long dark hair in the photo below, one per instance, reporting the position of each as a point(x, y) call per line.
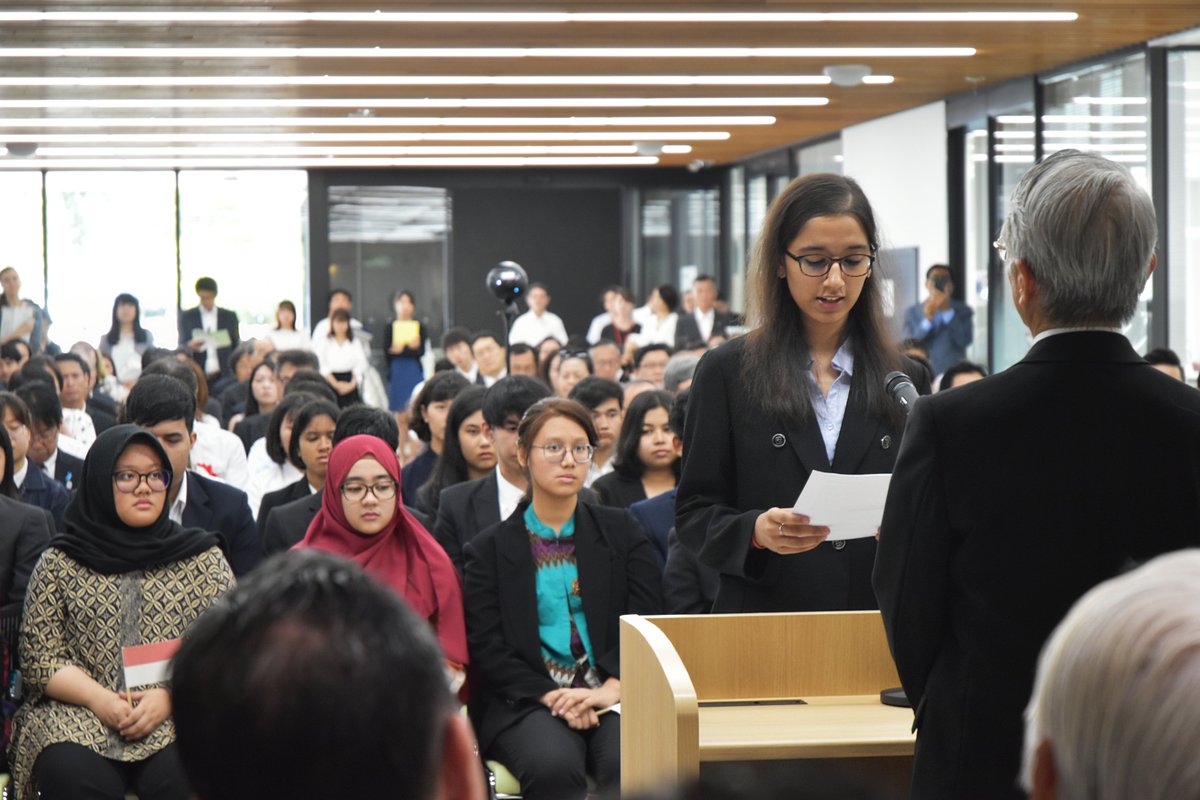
point(267, 462)
point(309, 447)
point(126, 339)
point(803, 391)
point(467, 453)
point(431, 410)
point(284, 335)
point(645, 459)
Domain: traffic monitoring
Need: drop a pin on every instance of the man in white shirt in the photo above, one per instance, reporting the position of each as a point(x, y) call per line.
point(61, 457)
point(456, 343)
point(601, 321)
point(338, 298)
point(489, 355)
point(706, 322)
point(73, 396)
point(537, 324)
point(208, 332)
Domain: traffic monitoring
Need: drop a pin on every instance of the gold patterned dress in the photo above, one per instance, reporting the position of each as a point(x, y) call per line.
point(75, 616)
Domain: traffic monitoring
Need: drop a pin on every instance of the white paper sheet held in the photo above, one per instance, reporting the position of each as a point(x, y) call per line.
point(851, 506)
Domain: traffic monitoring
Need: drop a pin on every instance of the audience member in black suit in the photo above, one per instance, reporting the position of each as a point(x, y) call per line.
point(656, 515)
point(804, 391)
point(45, 413)
point(689, 587)
point(1033, 455)
point(230, 389)
point(706, 324)
point(430, 410)
point(33, 486)
point(287, 524)
point(24, 533)
point(213, 322)
point(646, 463)
point(542, 619)
point(467, 508)
point(961, 373)
point(263, 393)
point(97, 401)
point(308, 450)
point(166, 407)
point(467, 454)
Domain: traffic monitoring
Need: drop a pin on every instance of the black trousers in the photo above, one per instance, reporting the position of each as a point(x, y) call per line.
point(67, 771)
point(552, 762)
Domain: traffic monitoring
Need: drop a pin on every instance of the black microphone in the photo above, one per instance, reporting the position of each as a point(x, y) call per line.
point(901, 388)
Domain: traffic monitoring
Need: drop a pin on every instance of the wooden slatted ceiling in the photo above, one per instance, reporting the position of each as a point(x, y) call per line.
point(1004, 50)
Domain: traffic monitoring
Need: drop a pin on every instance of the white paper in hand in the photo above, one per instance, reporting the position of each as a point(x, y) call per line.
point(851, 506)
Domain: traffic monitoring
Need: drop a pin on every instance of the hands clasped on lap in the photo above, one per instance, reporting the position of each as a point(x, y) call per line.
point(785, 532)
point(149, 710)
point(579, 708)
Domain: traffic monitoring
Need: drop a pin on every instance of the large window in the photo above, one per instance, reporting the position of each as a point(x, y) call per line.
point(21, 231)
point(1183, 146)
point(107, 233)
point(979, 237)
point(1012, 157)
point(680, 236)
point(245, 229)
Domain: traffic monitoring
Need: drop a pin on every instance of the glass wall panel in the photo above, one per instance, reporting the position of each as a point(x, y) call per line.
point(823, 156)
point(740, 238)
point(21, 232)
point(1104, 109)
point(247, 230)
point(1012, 156)
point(680, 236)
point(386, 238)
point(1183, 146)
point(110, 232)
point(979, 235)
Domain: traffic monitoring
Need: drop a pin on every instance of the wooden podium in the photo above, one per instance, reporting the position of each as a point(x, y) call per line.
point(725, 687)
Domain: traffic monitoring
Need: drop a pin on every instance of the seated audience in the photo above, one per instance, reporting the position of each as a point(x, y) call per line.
point(289, 362)
point(73, 391)
point(635, 387)
point(45, 414)
point(430, 410)
point(538, 323)
point(704, 323)
point(606, 361)
point(650, 363)
point(362, 518)
point(622, 330)
point(646, 463)
point(572, 367)
point(268, 462)
point(489, 357)
point(285, 335)
point(961, 373)
point(656, 514)
point(546, 348)
point(343, 361)
point(126, 340)
point(287, 653)
point(263, 392)
point(468, 452)
point(456, 344)
point(229, 390)
point(604, 317)
point(1114, 710)
point(166, 407)
point(209, 333)
point(24, 533)
point(677, 376)
point(33, 486)
point(121, 574)
point(523, 360)
point(605, 400)
point(339, 300)
point(544, 590)
point(1167, 361)
point(309, 447)
point(99, 405)
point(13, 355)
point(658, 326)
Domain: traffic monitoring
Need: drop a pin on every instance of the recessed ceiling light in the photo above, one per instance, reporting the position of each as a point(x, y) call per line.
point(302, 163)
point(527, 17)
point(392, 151)
point(177, 53)
point(359, 122)
point(425, 80)
point(379, 136)
point(361, 111)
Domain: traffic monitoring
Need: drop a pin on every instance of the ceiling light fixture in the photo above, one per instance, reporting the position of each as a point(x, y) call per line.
point(360, 105)
point(1110, 101)
point(303, 163)
point(380, 136)
point(178, 53)
point(846, 75)
point(393, 151)
point(81, 81)
point(361, 122)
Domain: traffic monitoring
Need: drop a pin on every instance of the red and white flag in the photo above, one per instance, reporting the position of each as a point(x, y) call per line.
point(148, 663)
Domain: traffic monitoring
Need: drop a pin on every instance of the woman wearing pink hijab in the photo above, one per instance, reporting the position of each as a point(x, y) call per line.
point(362, 518)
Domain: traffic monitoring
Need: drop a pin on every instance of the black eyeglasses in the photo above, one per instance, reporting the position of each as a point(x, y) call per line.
point(555, 453)
point(356, 492)
point(815, 265)
point(128, 481)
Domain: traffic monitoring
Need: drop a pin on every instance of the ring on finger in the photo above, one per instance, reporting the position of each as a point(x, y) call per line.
point(781, 529)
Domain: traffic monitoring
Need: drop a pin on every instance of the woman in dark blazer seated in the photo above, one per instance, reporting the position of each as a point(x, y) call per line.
point(646, 461)
point(308, 450)
point(803, 391)
point(544, 591)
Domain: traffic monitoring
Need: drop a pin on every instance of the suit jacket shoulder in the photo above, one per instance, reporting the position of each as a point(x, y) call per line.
point(287, 524)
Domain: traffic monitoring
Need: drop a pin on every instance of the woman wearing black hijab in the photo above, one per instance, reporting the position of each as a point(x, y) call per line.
point(121, 574)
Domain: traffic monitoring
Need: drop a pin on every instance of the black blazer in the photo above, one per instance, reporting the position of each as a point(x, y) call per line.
point(251, 429)
point(656, 517)
point(40, 490)
point(222, 509)
point(189, 321)
point(467, 508)
point(102, 418)
point(296, 490)
point(617, 575)
point(24, 534)
point(617, 490)
point(688, 330)
point(689, 587)
point(1012, 497)
point(67, 469)
point(286, 524)
point(738, 462)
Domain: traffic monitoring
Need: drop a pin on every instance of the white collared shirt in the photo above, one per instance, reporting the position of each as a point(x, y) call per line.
point(489, 381)
point(1046, 334)
point(704, 321)
point(176, 512)
point(79, 425)
point(510, 496)
point(597, 471)
point(532, 329)
point(219, 454)
point(208, 321)
point(19, 475)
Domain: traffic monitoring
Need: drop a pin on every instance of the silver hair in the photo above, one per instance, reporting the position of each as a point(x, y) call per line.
point(1117, 693)
point(680, 368)
point(1087, 231)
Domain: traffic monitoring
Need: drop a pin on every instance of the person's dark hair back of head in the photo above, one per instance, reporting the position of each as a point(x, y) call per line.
point(310, 383)
point(245, 348)
point(1164, 355)
point(306, 648)
point(935, 267)
point(334, 293)
point(592, 391)
point(642, 351)
point(475, 337)
point(41, 368)
point(174, 368)
point(286, 408)
point(512, 396)
point(159, 398)
point(61, 358)
point(20, 410)
point(455, 336)
point(961, 368)
point(11, 351)
point(206, 285)
point(520, 348)
point(440, 387)
point(305, 415)
point(678, 415)
point(669, 295)
point(152, 354)
point(44, 406)
point(626, 459)
point(300, 359)
point(363, 419)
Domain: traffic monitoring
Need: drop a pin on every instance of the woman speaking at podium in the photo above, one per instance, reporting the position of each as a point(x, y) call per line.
point(803, 391)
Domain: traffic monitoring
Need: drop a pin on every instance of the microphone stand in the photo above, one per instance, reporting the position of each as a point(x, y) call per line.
point(508, 315)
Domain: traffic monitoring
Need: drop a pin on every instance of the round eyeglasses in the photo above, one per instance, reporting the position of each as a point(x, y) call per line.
point(383, 490)
point(555, 453)
point(128, 481)
point(815, 265)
